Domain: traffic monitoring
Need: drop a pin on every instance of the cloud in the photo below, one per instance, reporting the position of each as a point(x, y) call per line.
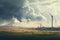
point(32, 11)
point(29, 10)
point(10, 8)
point(41, 9)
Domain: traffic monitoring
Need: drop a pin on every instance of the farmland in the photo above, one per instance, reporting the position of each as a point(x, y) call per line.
point(25, 34)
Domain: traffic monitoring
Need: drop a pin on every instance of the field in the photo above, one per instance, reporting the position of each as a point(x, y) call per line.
point(25, 34)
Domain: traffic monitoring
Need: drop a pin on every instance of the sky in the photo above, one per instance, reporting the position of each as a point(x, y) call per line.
point(29, 13)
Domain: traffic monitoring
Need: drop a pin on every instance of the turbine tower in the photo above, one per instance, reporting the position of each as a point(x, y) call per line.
point(51, 20)
point(40, 25)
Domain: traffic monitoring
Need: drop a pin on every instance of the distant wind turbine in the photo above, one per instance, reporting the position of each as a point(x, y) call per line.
point(51, 20)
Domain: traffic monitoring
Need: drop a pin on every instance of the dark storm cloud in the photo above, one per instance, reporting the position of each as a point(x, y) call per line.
point(10, 8)
point(14, 8)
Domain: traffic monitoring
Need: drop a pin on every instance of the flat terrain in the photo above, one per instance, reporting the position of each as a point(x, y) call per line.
point(25, 34)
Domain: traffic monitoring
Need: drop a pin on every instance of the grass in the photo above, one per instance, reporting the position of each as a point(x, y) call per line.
point(29, 34)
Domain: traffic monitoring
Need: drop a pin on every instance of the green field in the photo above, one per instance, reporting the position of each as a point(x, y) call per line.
point(33, 35)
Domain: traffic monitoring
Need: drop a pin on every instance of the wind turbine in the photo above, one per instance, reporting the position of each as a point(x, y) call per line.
point(51, 21)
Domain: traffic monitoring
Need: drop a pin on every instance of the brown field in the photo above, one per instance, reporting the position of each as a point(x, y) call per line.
point(28, 31)
point(23, 30)
point(22, 34)
point(17, 30)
